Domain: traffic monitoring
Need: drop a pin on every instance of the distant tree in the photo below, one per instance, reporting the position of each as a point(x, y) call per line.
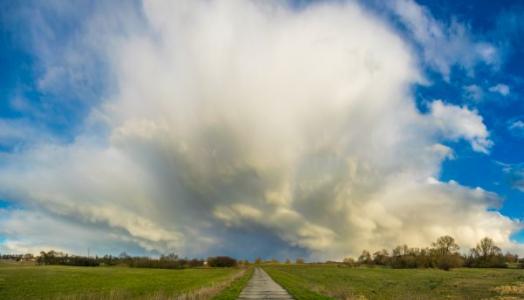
point(221, 261)
point(399, 251)
point(445, 245)
point(511, 258)
point(445, 253)
point(446, 262)
point(365, 257)
point(299, 261)
point(486, 255)
point(349, 261)
point(28, 257)
point(425, 258)
point(195, 263)
point(258, 261)
point(170, 256)
point(486, 248)
point(521, 263)
point(381, 257)
point(288, 261)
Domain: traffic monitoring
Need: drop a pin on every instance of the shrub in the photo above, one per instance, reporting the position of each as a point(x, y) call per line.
point(221, 261)
point(348, 261)
point(446, 262)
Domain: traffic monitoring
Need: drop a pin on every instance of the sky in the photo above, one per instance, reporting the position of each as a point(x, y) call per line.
point(273, 129)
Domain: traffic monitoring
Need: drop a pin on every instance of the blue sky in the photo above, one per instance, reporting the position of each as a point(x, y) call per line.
point(500, 23)
point(65, 86)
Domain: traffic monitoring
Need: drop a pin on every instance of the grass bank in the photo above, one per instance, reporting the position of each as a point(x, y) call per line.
point(63, 282)
point(332, 282)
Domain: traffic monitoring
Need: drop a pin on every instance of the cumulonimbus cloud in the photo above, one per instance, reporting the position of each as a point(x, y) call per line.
point(238, 119)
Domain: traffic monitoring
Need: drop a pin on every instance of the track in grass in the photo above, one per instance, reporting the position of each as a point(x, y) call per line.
point(261, 286)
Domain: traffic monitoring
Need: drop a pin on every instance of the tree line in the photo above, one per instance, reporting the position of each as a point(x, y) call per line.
point(443, 254)
point(17, 257)
point(169, 261)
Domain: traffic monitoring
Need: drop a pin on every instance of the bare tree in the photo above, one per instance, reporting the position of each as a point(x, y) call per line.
point(365, 257)
point(446, 245)
point(486, 248)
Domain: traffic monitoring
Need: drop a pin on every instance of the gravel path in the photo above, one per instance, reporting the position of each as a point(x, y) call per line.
point(261, 286)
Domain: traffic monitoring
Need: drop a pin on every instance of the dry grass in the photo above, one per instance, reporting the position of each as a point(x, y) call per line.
point(510, 291)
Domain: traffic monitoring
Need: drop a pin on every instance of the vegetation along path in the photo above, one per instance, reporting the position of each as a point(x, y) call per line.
point(261, 286)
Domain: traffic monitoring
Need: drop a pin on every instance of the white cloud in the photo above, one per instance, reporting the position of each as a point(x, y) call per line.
point(501, 89)
point(31, 232)
point(516, 128)
point(459, 122)
point(443, 45)
point(473, 92)
point(443, 151)
point(515, 173)
point(233, 119)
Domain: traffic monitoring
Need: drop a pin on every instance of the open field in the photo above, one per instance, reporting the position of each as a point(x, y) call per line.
point(312, 281)
point(64, 282)
point(235, 288)
point(26, 281)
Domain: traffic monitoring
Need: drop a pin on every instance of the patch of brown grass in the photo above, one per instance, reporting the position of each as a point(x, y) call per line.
point(510, 291)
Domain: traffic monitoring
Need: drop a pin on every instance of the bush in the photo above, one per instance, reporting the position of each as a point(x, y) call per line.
point(446, 262)
point(58, 258)
point(221, 261)
point(350, 262)
point(492, 261)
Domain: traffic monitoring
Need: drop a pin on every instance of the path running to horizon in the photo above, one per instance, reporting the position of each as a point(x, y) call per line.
point(261, 286)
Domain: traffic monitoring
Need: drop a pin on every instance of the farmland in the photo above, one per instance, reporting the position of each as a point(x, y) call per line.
point(303, 281)
point(66, 282)
point(320, 281)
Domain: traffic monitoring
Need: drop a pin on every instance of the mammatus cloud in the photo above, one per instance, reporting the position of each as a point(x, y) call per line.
point(238, 119)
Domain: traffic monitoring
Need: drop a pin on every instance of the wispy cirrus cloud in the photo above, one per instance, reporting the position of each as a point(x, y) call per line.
point(515, 173)
point(444, 45)
point(516, 128)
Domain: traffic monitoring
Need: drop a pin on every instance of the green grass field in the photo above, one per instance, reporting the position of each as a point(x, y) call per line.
point(313, 281)
point(63, 282)
point(19, 281)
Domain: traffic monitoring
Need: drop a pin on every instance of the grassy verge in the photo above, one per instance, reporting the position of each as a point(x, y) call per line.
point(62, 282)
point(236, 287)
point(299, 288)
point(307, 281)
